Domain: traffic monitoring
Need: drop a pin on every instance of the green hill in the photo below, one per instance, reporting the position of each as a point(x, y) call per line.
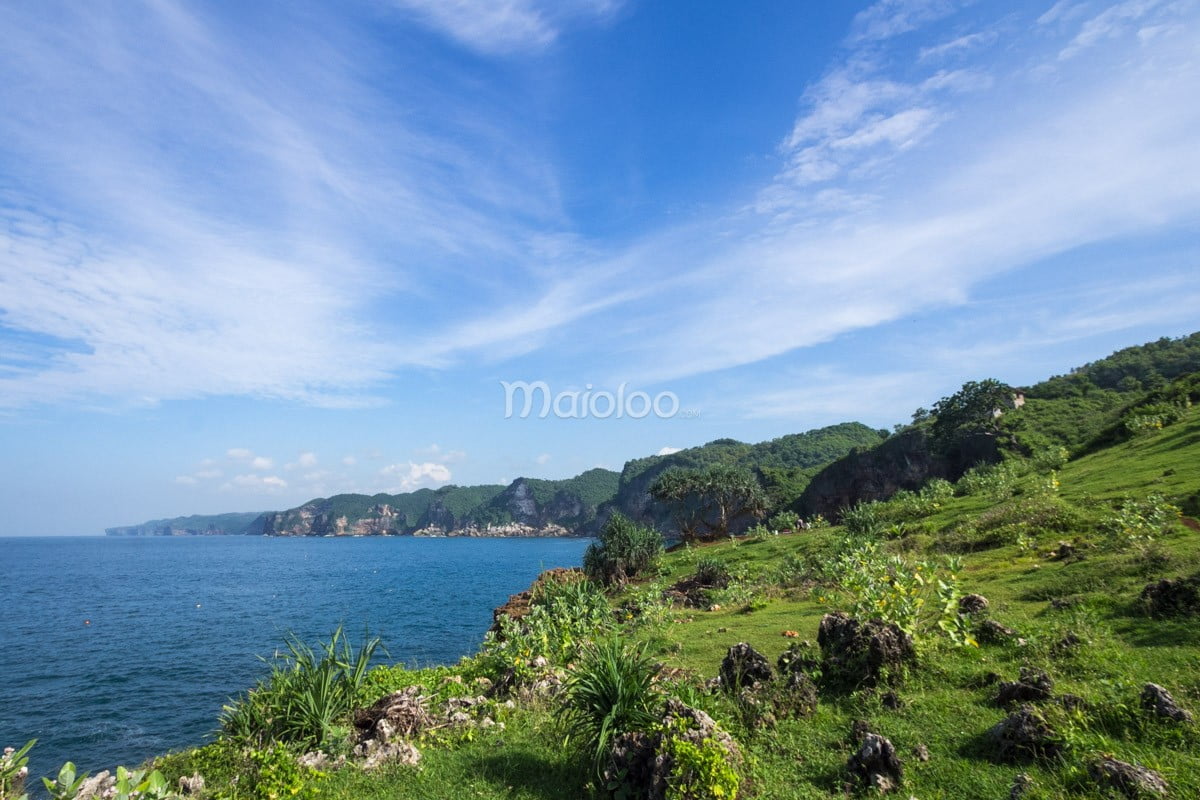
point(1027, 630)
point(231, 524)
point(783, 466)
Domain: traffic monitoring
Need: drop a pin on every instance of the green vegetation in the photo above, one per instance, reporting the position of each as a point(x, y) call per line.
point(709, 501)
point(308, 694)
point(612, 691)
point(1056, 583)
point(623, 550)
point(783, 466)
point(232, 524)
point(572, 502)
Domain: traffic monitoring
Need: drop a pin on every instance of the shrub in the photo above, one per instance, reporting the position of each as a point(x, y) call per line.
point(14, 770)
point(624, 550)
point(612, 691)
point(863, 519)
point(701, 771)
point(712, 573)
point(1138, 522)
point(916, 597)
point(276, 774)
point(784, 521)
point(309, 690)
point(997, 481)
point(559, 623)
point(1016, 521)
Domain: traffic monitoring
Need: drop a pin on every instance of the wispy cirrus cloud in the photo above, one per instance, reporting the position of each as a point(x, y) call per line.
point(936, 198)
point(187, 215)
point(506, 26)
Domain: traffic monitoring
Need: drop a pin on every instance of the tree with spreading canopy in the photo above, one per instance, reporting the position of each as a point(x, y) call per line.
point(708, 501)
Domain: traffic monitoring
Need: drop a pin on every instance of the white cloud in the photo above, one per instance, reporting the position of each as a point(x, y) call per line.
point(956, 47)
point(208, 474)
point(407, 476)
point(1105, 151)
point(434, 452)
point(505, 26)
point(240, 453)
point(544, 458)
point(306, 460)
point(261, 463)
point(349, 461)
point(667, 450)
point(186, 480)
point(1111, 23)
point(256, 483)
point(288, 174)
point(888, 18)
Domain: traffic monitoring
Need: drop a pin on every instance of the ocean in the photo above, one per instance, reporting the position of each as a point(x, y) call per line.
point(113, 650)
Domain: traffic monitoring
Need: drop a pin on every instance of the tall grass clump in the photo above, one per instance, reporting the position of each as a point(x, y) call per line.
point(623, 550)
point(309, 691)
point(610, 692)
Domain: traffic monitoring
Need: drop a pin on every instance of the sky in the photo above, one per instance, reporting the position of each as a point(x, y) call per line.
point(257, 253)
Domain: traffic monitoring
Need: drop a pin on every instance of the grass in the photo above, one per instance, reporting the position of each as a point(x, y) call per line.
point(946, 700)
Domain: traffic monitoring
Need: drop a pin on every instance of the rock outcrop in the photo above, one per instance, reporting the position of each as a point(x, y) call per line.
point(1131, 780)
point(857, 654)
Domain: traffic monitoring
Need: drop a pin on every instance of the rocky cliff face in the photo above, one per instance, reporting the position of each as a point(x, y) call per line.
point(526, 507)
point(904, 461)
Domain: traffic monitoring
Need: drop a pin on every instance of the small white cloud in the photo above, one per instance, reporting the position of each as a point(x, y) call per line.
point(955, 46)
point(504, 26)
point(239, 453)
point(434, 452)
point(405, 477)
point(307, 460)
point(261, 462)
point(208, 474)
point(349, 461)
point(186, 480)
point(543, 458)
point(667, 450)
point(259, 483)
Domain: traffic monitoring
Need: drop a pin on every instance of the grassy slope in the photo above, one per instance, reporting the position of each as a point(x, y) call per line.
point(943, 711)
point(945, 706)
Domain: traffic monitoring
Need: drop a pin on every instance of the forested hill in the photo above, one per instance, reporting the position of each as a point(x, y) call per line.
point(783, 466)
point(233, 524)
point(526, 507)
point(1091, 406)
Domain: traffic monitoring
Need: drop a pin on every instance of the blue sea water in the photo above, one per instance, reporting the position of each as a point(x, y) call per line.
point(177, 624)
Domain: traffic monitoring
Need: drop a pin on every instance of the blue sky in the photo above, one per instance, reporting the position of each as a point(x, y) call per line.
point(252, 254)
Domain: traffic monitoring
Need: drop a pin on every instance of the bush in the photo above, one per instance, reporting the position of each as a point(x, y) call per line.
point(863, 519)
point(997, 481)
point(712, 573)
point(624, 550)
point(1138, 522)
point(916, 597)
point(1015, 521)
point(612, 691)
point(701, 770)
point(561, 620)
point(308, 692)
point(14, 770)
point(785, 521)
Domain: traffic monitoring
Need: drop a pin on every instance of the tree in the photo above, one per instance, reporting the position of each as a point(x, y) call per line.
point(706, 502)
point(973, 410)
